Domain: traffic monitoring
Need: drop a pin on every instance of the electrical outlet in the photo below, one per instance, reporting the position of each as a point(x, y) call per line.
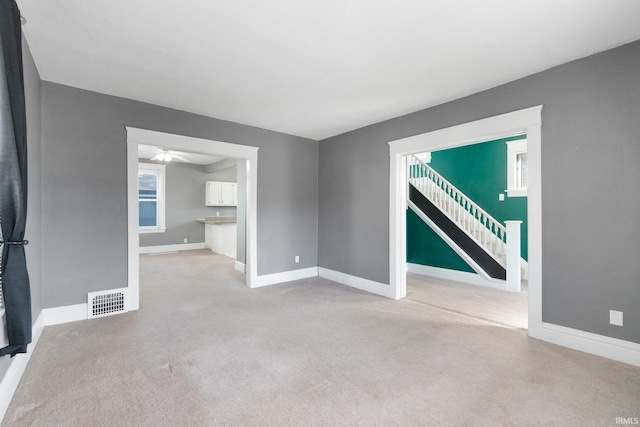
point(615, 317)
point(297, 259)
point(185, 240)
point(217, 213)
point(501, 197)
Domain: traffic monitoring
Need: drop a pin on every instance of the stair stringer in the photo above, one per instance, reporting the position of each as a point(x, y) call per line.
point(453, 245)
point(487, 232)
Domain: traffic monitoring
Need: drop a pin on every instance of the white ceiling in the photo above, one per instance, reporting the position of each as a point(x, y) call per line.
point(148, 151)
point(313, 68)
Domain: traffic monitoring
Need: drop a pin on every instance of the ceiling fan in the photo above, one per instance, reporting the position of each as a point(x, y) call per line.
point(168, 155)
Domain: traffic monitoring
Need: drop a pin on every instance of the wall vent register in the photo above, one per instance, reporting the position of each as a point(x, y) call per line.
point(107, 303)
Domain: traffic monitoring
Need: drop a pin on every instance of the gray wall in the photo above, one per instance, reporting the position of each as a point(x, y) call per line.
point(34, 209)
point(590, 192)
point(184, 203)
point(84, 188)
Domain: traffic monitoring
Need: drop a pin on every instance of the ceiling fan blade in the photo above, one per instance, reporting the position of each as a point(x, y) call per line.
point(158, 156)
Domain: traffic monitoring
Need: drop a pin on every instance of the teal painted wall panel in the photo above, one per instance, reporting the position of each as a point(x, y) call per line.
point(425, 247)
point(479, 171)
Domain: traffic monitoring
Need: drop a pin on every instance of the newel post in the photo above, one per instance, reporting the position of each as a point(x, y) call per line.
point(513, 256)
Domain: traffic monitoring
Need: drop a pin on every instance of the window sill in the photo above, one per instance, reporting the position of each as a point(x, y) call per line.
point(151, 230)
point(517, 193)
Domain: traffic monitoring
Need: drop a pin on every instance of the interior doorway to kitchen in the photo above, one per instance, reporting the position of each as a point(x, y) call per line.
point(246, 161)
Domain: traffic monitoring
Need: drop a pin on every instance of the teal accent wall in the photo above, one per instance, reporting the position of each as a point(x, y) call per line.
point(479, 171)
point(425, 247)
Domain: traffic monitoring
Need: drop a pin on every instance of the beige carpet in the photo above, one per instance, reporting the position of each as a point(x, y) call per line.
point(506, 308)
point(205, 350)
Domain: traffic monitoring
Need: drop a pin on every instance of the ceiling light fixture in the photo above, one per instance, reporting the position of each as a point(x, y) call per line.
point(163, 156)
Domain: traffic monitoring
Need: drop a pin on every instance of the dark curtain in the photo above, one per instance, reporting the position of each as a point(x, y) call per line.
point(13, 182)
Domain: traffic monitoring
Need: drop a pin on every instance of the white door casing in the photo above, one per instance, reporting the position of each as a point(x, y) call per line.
point(528, 121)
point(169, 141)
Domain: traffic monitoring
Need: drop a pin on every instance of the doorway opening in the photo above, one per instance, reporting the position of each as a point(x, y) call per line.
point(527, 121)
point(457, 217)
point(246, 158)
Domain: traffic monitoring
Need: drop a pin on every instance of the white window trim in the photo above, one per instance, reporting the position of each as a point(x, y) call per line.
point(159, 170)
point(513, 149)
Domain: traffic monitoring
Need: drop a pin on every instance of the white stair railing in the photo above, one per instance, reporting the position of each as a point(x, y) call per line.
point(485, 230)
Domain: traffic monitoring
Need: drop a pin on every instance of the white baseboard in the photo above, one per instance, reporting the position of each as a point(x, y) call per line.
point(524, 265)
point(4, 338)
point(239, 266)
point(356, 282)
point(64, 314)
point(171, 248)
point(284, 276)
point(457, 276)
point(607, 347)
point(12, 377)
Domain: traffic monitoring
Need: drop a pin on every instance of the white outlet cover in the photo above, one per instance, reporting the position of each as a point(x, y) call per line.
point(501, 197)
point(615, 317)
point(297, 258)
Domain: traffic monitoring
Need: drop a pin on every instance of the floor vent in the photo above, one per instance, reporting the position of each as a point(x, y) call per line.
point(107, 303)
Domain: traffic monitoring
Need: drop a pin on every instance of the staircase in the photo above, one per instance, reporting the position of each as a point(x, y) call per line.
point(476, 236)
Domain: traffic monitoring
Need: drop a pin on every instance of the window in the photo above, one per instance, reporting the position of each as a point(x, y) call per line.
point(424, 157)
point(151, 180)
point(517, 168)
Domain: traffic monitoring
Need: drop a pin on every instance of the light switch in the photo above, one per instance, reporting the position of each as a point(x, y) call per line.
point(501, 197)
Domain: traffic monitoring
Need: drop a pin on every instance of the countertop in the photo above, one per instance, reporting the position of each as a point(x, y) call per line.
point(218, 220)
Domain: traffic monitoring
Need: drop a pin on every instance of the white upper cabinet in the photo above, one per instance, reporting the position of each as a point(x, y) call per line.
point(221, 193)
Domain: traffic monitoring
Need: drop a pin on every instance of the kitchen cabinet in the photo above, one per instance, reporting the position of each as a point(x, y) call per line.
point(221, 193)
point(221, 238)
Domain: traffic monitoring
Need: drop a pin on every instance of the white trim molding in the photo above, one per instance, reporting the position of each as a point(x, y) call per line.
point(169, 141)
point(284, 276)
point(239, 266)
point(524, 265)
point(527, 121)
point(356, 282)
point(600, 345)
point(513, 149)
point(64, 314)
point(171, 248)
point(4, 338)
point(457, 276)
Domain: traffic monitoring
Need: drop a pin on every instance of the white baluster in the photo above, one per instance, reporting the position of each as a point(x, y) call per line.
point(475, 221)
point(447, 199)
point(484, 230)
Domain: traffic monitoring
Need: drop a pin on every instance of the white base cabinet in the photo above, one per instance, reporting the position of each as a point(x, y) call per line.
point(221, 238)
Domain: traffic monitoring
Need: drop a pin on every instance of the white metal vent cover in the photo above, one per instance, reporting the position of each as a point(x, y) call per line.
point(107, 303)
